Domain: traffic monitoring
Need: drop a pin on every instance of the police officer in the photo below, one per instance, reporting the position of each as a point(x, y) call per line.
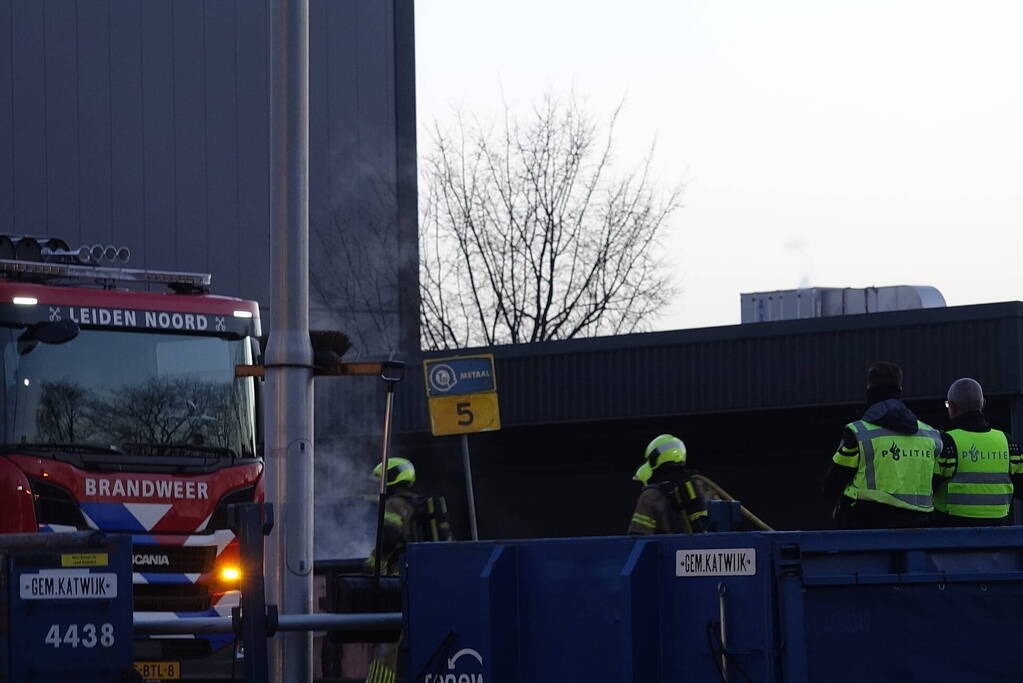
point(408, 515)
point(670, 502)
point(983, 466)
point(887, 463)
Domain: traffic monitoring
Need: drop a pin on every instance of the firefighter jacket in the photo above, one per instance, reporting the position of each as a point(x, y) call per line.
point(671, 504)
point(409, 518)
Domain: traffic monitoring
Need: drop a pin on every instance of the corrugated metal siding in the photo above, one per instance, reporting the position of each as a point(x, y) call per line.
point(744, 368)
point(146, 123)
point(140, 123)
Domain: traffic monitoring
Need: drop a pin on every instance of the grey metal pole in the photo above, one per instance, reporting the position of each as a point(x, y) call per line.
point(468, 488)
point(288, 362)
point(382, 498)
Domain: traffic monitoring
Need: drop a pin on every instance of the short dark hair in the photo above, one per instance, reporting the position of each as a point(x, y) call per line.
point(884, 374)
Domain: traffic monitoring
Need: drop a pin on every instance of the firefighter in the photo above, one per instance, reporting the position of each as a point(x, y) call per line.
point(670, 502)
point(408, 517)
point(983, 466)
point(887, 462)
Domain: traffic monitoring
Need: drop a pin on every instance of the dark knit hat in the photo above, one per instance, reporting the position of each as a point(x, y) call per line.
point(884, 374)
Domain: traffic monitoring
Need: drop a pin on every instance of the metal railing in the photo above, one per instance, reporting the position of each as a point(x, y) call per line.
point(384, 621)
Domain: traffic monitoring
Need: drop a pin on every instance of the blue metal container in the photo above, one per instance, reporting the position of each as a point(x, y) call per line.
point(929, 605)
point(934, 605)
point(69, 611)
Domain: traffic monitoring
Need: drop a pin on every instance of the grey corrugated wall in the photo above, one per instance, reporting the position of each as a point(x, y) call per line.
point(755, 367)
point(140, 123)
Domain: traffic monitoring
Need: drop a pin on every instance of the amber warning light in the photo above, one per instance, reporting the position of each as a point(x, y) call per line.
point(230, 573)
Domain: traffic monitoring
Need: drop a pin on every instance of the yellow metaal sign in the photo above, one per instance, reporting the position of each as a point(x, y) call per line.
point(83, 560)
point(465, 414)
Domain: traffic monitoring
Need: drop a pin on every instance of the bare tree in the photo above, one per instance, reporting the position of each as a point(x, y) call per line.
point(167, 411)
point(527, 234)
point(60, 416)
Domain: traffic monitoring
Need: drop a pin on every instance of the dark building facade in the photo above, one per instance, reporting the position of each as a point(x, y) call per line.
point(145, 123)
point(761, 408)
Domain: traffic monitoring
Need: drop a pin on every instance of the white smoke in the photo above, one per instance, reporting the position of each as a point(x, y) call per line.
point(349, 427)
point(798, 247)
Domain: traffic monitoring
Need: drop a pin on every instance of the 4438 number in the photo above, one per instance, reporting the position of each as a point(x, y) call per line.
point(80, 635)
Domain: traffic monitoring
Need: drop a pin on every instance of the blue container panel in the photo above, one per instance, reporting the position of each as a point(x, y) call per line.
point(919, 605)
point(913, 632)
point(565, 590)
point(445, 584)
point(87, 640)
point(603, 609)
point(691, 609)
point(922, 605)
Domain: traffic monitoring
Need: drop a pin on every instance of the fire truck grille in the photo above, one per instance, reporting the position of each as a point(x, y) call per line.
point(192, 648)
point(173, 648)
point(173, 597)
point(175, 559)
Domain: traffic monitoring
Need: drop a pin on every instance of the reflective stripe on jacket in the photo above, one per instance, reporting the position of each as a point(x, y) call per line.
point(669, 508)
point(980, 487)
point(894, 468)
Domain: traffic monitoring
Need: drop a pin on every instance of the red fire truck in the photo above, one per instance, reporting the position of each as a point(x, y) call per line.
point(122, 413)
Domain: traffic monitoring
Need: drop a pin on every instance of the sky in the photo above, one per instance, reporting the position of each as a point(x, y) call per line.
point(820, 143)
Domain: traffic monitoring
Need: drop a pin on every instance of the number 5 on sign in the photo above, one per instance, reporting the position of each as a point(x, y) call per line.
point(464, 414)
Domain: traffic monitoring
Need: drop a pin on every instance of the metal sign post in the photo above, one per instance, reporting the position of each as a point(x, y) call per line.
point(468, 488)
point(462, 393)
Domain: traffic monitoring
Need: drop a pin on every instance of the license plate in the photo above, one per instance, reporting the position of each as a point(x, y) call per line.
point(68, 584)
point(159, 671)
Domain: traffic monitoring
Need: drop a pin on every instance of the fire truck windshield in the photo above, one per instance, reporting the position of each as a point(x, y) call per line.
point(138, 392)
